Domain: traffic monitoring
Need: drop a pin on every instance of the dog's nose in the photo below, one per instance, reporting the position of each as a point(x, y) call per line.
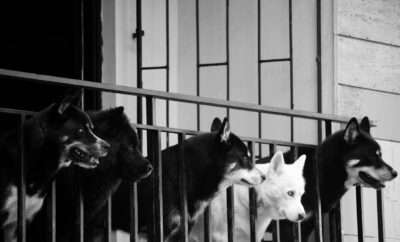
point(148, 169)
point(394, 173)
point(263, 177)
point(301, 216)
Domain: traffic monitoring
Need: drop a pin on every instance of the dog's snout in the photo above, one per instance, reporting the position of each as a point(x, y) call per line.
point(148, 169)
point(301, 216)
point(394, 173)
point(263, 177)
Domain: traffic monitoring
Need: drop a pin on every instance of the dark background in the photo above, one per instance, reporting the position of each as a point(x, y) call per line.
point(56, 38)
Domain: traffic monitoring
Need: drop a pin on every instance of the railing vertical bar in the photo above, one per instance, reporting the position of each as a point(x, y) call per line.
point(154, 151)
point(318, 212)
point(230, 193)
point(252, 201)
point(207, 228)
point(379, 204)
point(133, 203)
point(197, 62)
point(360, 225)
point(297, 226)
point(167, 70)
point(227, 54)
point(51, 213)
point(277, 232)
point(182, 190)
point(133, 200)
point(291, 68)
point(79, 200)
point(108, 219)
point(21, 225)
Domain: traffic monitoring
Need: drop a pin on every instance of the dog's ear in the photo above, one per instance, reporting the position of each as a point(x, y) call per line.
point(73, 97)
point(352, 131)
point(300, 162)
point(216, 124)
point(224, 131)
point(277, 163)
point(118, 110)
point(365, 125)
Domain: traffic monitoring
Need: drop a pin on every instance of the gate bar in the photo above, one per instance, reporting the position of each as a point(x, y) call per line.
point(21, 225)
point(183, 190)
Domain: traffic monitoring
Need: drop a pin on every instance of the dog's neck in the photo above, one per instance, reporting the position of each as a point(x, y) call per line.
point(332, 174)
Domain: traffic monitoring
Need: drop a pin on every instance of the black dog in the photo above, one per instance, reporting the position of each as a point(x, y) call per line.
point(346, 158)
point(213, 162)
point(123, 162)
point(55, 137)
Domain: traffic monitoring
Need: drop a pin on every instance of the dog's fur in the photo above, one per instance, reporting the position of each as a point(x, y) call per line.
point(123, 162)
point(54, 138)
point(213, 161)
point(278, 197)
point(346, 158)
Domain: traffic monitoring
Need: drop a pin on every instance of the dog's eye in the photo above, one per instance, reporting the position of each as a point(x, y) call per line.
point(290, 193)
point(80, 131)
point(378, 153)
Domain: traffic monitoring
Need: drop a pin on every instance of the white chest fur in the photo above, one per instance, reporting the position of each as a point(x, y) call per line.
point(32, 205)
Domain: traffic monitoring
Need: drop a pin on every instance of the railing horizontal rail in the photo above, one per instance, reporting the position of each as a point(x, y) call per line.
point(46, 79)
point(179, 131)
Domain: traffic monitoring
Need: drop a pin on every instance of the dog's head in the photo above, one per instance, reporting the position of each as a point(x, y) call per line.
point(283, 187)
point(240, 168)
point(114, 126)
point(364, 163)
point(72, 130)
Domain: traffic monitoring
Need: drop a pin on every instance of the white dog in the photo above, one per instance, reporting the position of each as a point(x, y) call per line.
point(278, 197)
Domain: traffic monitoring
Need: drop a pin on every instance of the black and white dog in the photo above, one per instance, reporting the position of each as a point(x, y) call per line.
point(124, 161)
point(213, 161)
point(54, 138)
point(346, 158)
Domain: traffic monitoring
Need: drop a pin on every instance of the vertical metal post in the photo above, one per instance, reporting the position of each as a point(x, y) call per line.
point(277, 232)
point(108, 219)
point(297, 226)
point(21, 225)
point(318, 211)
point(379, 204)
point(167, 67)
point(291, 69)
point(230, 194)
point(182, 190)
point(133, 211)
point(154, 151)
point(252, 201)
point(360, 224)
point(197, 62)
point(51, 213)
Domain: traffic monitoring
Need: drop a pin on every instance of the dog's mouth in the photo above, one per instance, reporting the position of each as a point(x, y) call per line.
point(370, 181)
point(247, 182)
point(83, 159)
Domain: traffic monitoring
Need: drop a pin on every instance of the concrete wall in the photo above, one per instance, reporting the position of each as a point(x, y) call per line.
point(367, 40)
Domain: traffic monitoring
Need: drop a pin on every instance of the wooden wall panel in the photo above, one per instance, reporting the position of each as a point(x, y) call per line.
point(369, 65)
point(376, 20)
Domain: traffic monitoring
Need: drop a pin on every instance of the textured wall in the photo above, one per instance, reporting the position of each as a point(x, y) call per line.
point(368, 83)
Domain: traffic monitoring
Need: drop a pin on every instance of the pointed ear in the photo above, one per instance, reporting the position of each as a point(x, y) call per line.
point(118, 110)
point(352, 131)
point(365, 125)
point(72, 98)
point(277, 162)
point(224, 130)
point(216, 124)
point(300, 161)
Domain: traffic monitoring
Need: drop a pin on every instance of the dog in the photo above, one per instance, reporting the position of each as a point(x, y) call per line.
point(54, 138)
point(278, 197)
point(347, 158)
point(213, 162)
point(124, 161)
